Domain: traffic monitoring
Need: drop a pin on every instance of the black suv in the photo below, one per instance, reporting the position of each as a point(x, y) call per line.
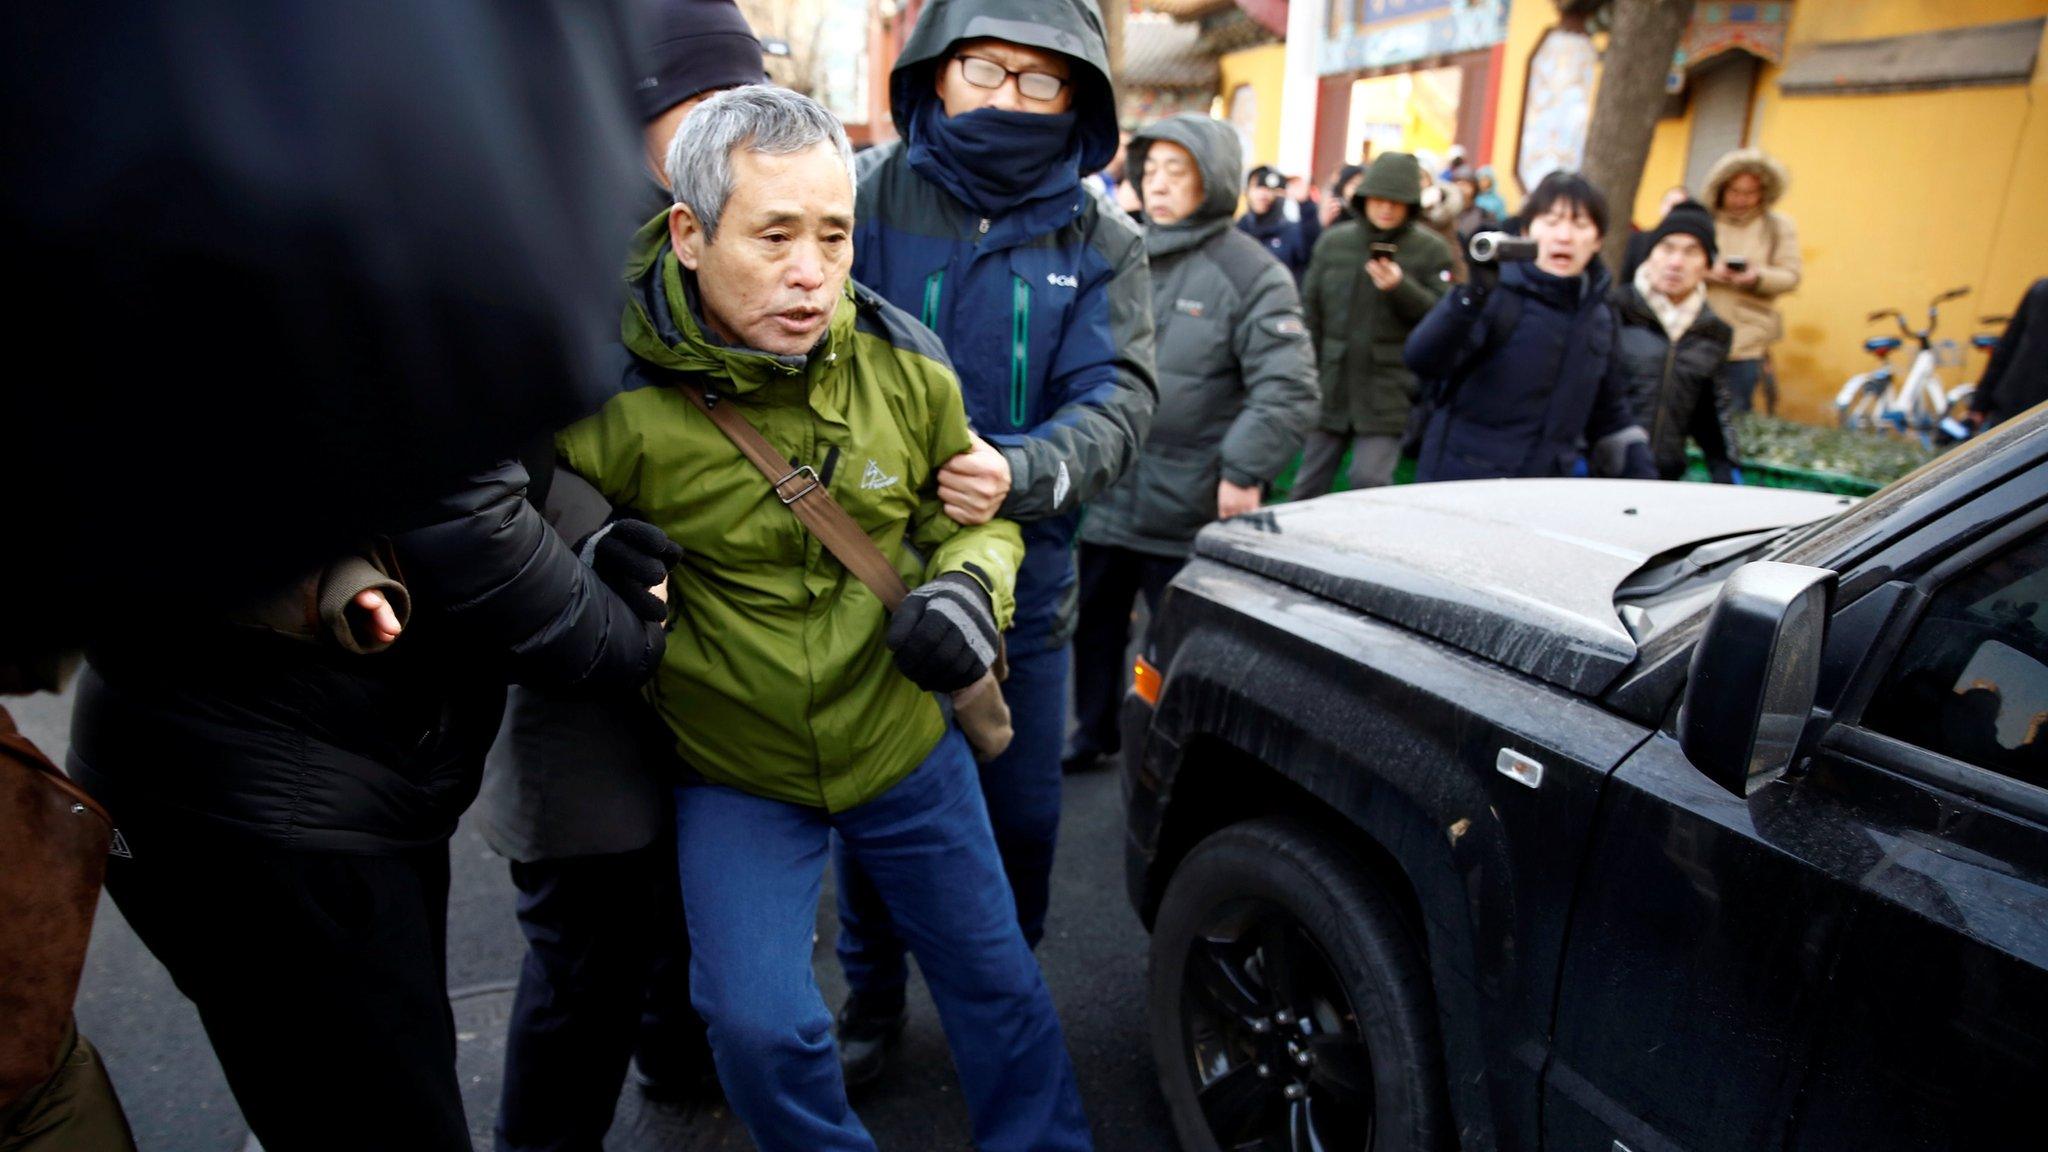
point(1604, 815)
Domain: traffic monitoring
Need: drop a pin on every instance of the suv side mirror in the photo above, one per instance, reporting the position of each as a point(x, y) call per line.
point(1754, 674)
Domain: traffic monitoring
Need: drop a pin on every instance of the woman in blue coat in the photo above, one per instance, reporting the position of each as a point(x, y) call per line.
point(1523, 367)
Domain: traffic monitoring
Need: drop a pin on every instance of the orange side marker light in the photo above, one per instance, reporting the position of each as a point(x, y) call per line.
point(1145, 681)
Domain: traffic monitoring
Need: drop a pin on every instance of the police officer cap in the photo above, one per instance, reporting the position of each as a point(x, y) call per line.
point(1266, 176)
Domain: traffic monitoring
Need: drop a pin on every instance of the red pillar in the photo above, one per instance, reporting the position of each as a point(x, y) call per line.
point(1333, 119)
point(1494, 58)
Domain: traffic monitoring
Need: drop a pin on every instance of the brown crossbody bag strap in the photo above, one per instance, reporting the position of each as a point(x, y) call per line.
point(979, 708)
point(54, 841)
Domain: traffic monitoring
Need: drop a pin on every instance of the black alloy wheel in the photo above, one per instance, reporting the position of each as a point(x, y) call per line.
point(1289, 1011)
point(1272, 1039)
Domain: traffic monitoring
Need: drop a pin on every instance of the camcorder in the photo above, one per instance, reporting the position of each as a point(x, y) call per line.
point(1498, 247)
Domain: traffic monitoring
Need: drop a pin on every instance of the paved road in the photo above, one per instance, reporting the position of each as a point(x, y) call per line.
point(1093, 956)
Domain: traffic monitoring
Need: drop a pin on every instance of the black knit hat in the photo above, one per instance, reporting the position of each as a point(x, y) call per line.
point(1687, 218)
point(692, 46)
point(1266, 176)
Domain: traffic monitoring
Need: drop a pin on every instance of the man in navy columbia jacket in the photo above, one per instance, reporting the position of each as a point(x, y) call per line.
point(978, 224)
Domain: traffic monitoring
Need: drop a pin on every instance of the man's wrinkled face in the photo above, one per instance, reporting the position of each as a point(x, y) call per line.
point(1385, 214)
point(1171, 182)
point(1566, 238)
point(1742, 194)
point(999, 74)
point(1677, 265)
point(785, 243)
point(1259, 198)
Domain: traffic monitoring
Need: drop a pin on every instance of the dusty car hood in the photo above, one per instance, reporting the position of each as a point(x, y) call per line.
point(1521, 572)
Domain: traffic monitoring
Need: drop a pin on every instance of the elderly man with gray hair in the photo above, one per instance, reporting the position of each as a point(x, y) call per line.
point(800, 704)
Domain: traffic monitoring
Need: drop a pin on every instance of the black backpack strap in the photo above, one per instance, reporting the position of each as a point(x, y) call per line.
point(1501, 312)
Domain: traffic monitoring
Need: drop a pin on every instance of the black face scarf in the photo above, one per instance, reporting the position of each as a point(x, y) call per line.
point(994, 160)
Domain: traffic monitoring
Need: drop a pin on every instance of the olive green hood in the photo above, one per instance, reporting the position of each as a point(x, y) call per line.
point(1392, 176)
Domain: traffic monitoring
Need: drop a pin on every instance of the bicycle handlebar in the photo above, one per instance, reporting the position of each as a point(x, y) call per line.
point(1933, 307)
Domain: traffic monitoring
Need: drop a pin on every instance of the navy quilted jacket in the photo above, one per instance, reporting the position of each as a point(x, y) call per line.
point(1528, 400)
point(1046, 312)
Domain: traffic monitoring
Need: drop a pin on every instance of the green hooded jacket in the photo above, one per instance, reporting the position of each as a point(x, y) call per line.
point(776, 679)
point(1358, 330)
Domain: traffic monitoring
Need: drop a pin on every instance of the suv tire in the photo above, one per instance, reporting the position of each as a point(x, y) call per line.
point(1272, 944)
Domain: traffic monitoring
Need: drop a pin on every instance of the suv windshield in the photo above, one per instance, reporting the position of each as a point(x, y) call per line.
point(1827, 539)
point(1669, 595)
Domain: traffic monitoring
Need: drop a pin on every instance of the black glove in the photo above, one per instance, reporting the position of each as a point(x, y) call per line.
point(631, 556)
point(1482, 275)
point(944, 634)
point(1638, 464)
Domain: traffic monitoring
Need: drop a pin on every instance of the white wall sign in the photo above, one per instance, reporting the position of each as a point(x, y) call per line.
point(1559, 107)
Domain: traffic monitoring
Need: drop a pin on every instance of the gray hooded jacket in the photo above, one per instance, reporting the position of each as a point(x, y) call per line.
point(1237, 378)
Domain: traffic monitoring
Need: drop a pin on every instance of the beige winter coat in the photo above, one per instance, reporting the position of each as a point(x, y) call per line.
point(1768, 239)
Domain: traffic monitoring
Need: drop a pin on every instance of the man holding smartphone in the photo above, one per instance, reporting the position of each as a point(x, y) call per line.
point(1372, 279)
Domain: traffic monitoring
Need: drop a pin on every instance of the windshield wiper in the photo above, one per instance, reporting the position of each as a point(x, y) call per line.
point(1663, 574)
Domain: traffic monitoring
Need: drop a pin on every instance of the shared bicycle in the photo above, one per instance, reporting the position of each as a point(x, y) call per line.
point(1917, 403)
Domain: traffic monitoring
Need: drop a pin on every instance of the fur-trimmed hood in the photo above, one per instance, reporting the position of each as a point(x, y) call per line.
point(1753, 160)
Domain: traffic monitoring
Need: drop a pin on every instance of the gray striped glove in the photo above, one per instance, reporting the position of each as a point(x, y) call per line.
point(944, 634)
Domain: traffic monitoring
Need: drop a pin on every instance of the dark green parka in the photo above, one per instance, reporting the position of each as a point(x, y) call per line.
point(1359, 330)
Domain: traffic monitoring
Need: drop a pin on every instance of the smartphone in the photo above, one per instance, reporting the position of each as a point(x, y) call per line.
point(1382, 250)
point(1738, 263)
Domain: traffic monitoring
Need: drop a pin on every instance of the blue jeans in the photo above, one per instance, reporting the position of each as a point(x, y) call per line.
point(1022, 787)
point(752, 869)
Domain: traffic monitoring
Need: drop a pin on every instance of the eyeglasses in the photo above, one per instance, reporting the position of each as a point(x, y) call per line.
point(985, 73)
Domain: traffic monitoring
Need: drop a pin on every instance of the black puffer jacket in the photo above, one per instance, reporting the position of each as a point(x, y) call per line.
point(1672, 389)
point(222, 729)
point(390, 227)
point(2017, 377)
